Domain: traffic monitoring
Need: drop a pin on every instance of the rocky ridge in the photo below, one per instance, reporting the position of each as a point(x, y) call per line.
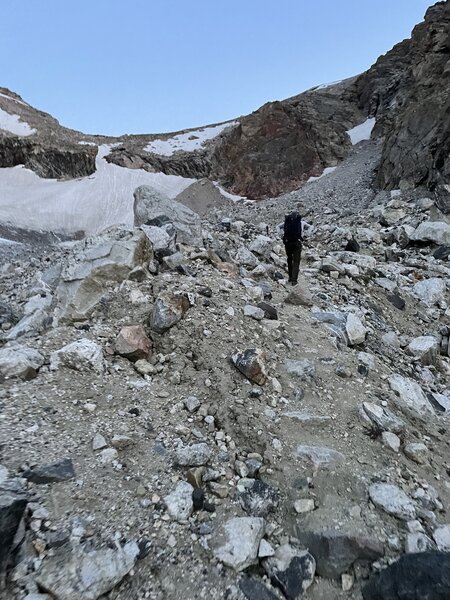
point(178, 422)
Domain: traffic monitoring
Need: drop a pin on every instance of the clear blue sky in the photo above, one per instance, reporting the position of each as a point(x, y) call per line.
point(135, 66)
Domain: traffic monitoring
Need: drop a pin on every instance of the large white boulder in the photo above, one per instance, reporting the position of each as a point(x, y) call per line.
point(411, 396)
point(432, 231)
point(430, 291)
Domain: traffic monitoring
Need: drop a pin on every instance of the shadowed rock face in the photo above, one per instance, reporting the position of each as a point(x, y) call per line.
point(408, 91)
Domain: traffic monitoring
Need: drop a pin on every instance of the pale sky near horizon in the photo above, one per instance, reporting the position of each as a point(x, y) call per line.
point(149, 66)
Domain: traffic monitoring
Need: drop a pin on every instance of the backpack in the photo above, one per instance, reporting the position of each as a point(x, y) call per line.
point(292, 228)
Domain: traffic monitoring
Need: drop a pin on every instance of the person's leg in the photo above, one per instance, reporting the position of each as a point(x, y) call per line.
point(296, 255)
point(288, 249)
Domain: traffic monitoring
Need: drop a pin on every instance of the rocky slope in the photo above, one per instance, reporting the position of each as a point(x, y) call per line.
point(178, 422)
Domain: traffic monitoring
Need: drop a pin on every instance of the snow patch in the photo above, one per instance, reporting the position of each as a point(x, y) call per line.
point(6, 242)
point(83, 143)
point(326, 85)
point(361, 132)
point(326, 171)
point(89, 204)
point(233, 197)
point(14, 99)
point(12, 124)
point(187, 142)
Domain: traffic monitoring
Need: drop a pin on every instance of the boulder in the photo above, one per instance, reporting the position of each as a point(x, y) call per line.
point(150, 205)
point(392, 500)
point(319, 457)
point(424, 575)
point(430, 291)
point(74, 574)
point(261, 245)
point(417, 452)
point(299, 296)
point(251, 363)
point(168, 310)
point(437, 232)
point(54, 473)
point(162, 239)
point(411, 398)
point(18, 361)
point(245, 258)
point(254, 312)
point(179, 503)
point(441, 536)
point(424, 348)
point(80, 355)
point(355, 330)
point(291, 570)
point(92, 265)
point(12, 508)
point(237, 542)
point(382, 418)
point(133, 343)
point(335, 552)
point(391, 216)
point(418, 542)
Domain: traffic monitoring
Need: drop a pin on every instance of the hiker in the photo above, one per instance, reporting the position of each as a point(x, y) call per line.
point(293, 231)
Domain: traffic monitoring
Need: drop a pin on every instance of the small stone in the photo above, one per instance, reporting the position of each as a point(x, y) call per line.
point(133, 343)
point(219, 490)
point(179, 502)
point(265, 549)
point(291, 570)
point(120, 442)
point(251, 363)
point(417, 452)
point(237, 543)
point(304, 505)
point(98, 442)
point(391, 441)
point(198, 498)
point(254, 312)
point(192, 403)
point(347, 582)
point(194, 455)
point(253, 589)
point(299, 296)
point(108, 455)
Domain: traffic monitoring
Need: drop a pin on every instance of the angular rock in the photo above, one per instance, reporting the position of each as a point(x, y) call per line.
point(355, 330)
point(319, 457)
point(336, 552)
point(329, 265)
point(12, 508)
point(441, 536)
point(253, 589)
point(237, 542)
point(417, 452)
point(179, 502)
point(18, 361)
point(150, 205)
point(391, 441)
point(72, 575)
point(291, 570)
point(303, 369)
point(7, 314)
point(425, 348)
point(194, 455)
point(261, 245)
point(411, 397)
point(304, 505)
point(133, 343)
point(245, 258)
point(430, 291)
point(437, 232)
point(383, 418)
point(391, 216)
point(425, 575)
point(80, 355)
point(299, 295)
point(168, 310)
point(162, 239)
point(254, 312)
point(270, 312)
point(259, 499)
point(251, 363)
point(93, 263)
point(418, 542)
point(392, 500)
point(192, 403)
point(55, 473)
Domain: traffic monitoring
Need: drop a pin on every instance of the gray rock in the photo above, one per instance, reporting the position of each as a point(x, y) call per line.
point(194, 455)
point(330, 264)
point(355, 330)
point(270, 312)
point(192, 403)
point(237, 542)
point(336, 552)
point(251, 363)
point(32, 323)
point(392, 500)
point(261, 245)
point(7, 314)
point(299, 295)
point(424, 348)
point(254, 312)
point(319, 457)
point(383, 418)
point(80, 355)
point(430, 291)
point(391, 216)
point(246, 258)
point(259, 499)
point(12, 508)
point(18, 361)
point(179, 502)
point(418, 542)
point(291, 570)
point(437, 232)
point(441, 402)
point(307, 418)
point(253, 589)
point(54, 473)
point(150, 205)
point(71, 575)
point(441, 536)
point(162, 239)
point(411, 397)
point(303, 369)
point(168, 310)
point(417, 452)
point(391, 339)
point(391, 441)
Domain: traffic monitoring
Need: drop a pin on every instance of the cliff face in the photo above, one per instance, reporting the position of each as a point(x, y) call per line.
point(408, 90)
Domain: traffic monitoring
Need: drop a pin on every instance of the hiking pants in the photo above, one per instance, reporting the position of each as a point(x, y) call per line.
point(293, 253)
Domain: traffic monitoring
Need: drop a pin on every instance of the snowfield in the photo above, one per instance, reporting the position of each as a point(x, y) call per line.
point(89, 203)
point(361, 132)
point(326, 171)
point(13, 124)
point(187, 142)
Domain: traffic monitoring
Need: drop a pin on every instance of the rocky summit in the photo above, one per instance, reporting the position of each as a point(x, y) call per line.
point(178, 421)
